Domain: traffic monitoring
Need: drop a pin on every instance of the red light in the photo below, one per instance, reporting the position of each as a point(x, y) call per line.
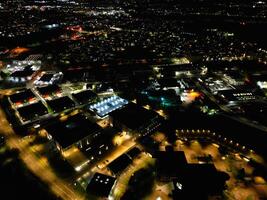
point(31, 99)
point(18, 103)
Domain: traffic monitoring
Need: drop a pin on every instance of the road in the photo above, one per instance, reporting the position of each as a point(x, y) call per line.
point(35, 164)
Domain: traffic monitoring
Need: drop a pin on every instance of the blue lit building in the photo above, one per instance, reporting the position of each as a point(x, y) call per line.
point(106, 106)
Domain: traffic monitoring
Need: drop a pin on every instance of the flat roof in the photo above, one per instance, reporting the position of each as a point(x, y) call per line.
point(22, 74)
point(133, 116)
point(32, 111)
point(46, 77)
point(25, 72)
point(101, 185)
point(72, 130)
point(84, 96)
point(108, 105)
point(61, 104)
point(22, 96)
point(240, 94)
point(100, 143)
point(48, 90)
point(134, 152)
point(120, 164)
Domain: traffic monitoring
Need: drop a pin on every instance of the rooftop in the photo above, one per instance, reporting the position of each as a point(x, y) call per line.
point(49, 90)
point(101, 185)
point(22, 74)
point(133, 116)
point(46, 77)
point(108, 105)
point(240, 94)
point(22, 96)
point(32, 111)
point(120, 164)
point(134, 152)
point(72, 130)
point(84, 96)
point(61, 104)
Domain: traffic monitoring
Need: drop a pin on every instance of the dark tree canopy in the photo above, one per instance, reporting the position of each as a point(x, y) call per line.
point(140, 184)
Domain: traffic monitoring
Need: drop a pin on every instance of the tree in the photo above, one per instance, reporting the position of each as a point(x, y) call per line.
point(140, 184)
point(241, 174)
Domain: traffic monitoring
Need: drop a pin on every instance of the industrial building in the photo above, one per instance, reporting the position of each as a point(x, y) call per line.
point(135, 119)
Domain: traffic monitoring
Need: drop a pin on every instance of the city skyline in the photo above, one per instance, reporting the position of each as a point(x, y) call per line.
point(133, 100)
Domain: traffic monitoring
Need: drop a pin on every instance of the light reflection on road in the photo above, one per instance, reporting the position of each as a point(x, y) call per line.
point(36, 165)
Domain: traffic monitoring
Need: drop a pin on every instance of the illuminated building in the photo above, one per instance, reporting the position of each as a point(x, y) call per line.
point(108, 105)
